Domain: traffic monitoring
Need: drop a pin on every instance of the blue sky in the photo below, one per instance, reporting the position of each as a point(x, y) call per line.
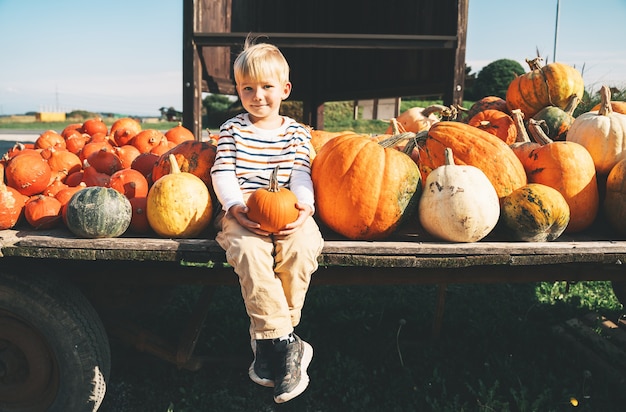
point(126, 56)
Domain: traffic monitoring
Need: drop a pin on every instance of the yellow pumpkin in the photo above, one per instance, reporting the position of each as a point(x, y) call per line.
point(602, 133)
point(459, 203)
point(552, 84)
point(179, 204)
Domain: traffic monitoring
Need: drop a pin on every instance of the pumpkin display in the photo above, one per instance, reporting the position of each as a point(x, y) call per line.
point(11, 203)
point(602, 133)
point(549, 85)
point(98, 212)
point(496, 122)
point(179, 204)
point(569, 168)
point(471, 146)
point(273, 206)
point(534, 213)
point(458, 203)
point(28, 173)
point(362, 189)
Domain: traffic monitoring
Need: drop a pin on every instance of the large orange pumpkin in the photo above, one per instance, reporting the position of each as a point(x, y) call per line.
point(363, 190)
point(567, 167)
point(552, 84)
point(475, 147)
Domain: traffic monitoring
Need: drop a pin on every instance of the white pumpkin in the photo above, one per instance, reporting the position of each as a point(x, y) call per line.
point(602, 133)
point(458, 203)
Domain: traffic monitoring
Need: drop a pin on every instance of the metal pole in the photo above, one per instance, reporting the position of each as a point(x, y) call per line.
point(556, 30)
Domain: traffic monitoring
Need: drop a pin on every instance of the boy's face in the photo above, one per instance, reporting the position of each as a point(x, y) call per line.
point(262, 99)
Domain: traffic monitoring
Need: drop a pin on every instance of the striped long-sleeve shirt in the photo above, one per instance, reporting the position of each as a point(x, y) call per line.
point(246, 156)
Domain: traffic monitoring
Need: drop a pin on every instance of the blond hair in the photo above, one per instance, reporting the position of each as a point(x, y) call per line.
point(260, 61)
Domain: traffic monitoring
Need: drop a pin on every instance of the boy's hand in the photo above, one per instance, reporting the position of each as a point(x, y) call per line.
point(240, 212)
point(305, 212)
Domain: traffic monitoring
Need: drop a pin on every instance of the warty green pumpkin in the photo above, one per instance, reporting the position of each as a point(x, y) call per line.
point(98, 212)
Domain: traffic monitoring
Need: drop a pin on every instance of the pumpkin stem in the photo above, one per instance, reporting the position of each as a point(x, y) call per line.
point(522, 134)
point(174, 168)
point(535, 63)
point(396, 138)
point(572, 103)
point(395, 126)
point(449, 157)
point(605, 101)
point(538, 134)
point(273, 185)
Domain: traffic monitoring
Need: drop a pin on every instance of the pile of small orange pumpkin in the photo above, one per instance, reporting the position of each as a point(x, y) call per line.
point(39, 179)
point(547, 185)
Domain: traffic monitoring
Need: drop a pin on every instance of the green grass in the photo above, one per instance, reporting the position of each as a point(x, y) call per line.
point(373, 352)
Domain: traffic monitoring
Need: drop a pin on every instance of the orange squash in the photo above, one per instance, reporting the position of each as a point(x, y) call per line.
point(273, 206)
point(362, 189)
point(496, 122)
point(567, 167)
point(552, 84)
point(475, 147)
point(11, 203)
point(43, 212)
point(28, 172)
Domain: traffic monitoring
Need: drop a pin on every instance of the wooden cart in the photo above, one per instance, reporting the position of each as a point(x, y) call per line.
point(61, 296)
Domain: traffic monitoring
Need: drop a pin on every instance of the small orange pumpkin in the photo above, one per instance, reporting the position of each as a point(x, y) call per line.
point(43, 212)
point(28, 172)
point(496, 122)
point(179, 134)
point(11, 203)
point(273, 206)
point(131, 183)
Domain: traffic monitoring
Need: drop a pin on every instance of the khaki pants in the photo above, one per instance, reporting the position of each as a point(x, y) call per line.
point(274, 273)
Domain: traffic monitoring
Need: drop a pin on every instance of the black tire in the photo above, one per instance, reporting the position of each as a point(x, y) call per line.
point(54, 351)
point(619, 289)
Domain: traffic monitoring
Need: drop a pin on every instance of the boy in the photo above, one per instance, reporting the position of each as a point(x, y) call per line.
point(274, 269)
